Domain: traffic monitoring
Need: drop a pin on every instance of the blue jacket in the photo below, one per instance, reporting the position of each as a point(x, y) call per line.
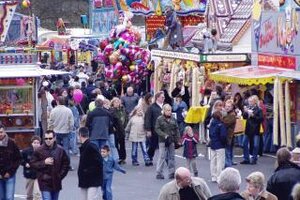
point(217, 134)
point(109, 165)
point(99, 122)
point(179, 108)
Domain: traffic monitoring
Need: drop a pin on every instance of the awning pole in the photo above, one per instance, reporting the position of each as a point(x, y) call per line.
point(288, 114)
point(281, 115)
point(275, 108)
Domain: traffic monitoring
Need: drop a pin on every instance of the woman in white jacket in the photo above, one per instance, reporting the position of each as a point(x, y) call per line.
point(137, 135)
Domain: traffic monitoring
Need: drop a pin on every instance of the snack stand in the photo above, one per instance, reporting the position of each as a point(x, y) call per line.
point(19, 86)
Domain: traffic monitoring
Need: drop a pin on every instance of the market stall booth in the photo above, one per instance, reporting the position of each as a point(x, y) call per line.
point(171, 66)
point(19, 86)
point(284, 93)
point(56, 49)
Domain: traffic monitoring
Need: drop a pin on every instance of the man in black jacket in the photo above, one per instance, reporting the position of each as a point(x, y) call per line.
point(90, 170)
point(10, 159)
point(32, 188)
point(152, 113)
point(285, 176)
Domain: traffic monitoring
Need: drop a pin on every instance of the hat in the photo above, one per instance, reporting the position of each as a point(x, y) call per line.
point(256, 178)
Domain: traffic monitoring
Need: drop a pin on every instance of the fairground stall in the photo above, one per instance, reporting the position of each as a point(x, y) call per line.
point(280, 83)
point(171, 66)
point(19, 86)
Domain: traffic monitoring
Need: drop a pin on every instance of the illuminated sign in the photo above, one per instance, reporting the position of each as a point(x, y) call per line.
point(224, 58)
point(175, 55)
point(287, 62)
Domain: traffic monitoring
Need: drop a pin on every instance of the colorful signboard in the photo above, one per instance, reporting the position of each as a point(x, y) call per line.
point(103, 20)
point(150, 7)
point(287, 62)
point(278, 33)
point(16, 58)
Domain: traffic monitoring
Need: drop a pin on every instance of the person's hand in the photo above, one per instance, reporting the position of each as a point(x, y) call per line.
point(166, 136)
point(27, 165)
point(6, 175)
point(124, 172)
point(49, 161)
point(148, 134)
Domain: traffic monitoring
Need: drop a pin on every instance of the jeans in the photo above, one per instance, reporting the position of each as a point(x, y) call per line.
point(229, 155)
point(7, 188)
point(256, 139)
point(134, 153)
point(46, 195)
point(106, 189)
point(112, 146)
point(181, 126)
point(100, 143)
point(63, 139)
point(166, 152)
point(73, 142)
point(268, 137)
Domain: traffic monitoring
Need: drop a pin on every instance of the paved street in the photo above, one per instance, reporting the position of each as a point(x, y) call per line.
point(140, 183)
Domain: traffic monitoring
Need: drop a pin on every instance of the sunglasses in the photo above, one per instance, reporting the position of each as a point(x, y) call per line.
point(50, 138)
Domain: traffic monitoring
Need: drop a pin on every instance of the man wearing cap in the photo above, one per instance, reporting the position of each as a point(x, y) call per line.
point(256, 188)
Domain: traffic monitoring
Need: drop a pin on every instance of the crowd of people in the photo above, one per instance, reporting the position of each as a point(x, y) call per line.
point(105, 118)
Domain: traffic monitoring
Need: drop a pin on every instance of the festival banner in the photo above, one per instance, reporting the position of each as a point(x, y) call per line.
point(7, 10)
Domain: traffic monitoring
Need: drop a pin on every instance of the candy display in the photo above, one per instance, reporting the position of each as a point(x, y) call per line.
point(123, 58)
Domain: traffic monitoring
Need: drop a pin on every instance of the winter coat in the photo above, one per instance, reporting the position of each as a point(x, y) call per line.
point(217, 134)
point(61, 119)
point(190, 146)
point(265, 195)
point(135, 128)
point(230, 120)
point(99, 122)
point(50, 176)
point(120, 120)
point(28, 172)
point(253, 122)
point(10, 157)
point(151, 115)
point(109, 165)
point(90, 169)
point(227, 196)
point(283, 180)
point(170, 190)
point(178, 109)
point(130, 102)
point(167, 127)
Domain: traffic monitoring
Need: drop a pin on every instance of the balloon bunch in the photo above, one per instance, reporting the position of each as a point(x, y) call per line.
point(122, 57)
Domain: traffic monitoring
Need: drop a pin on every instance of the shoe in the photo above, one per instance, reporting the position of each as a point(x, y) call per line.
point(234, 163)
point(148, 164)
point(71, 168)
point(159, 176)
point(245, 162)
point(122, 162)
point(253, 162)
point(196, 174)
point(172, 176)
point(135, 163)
